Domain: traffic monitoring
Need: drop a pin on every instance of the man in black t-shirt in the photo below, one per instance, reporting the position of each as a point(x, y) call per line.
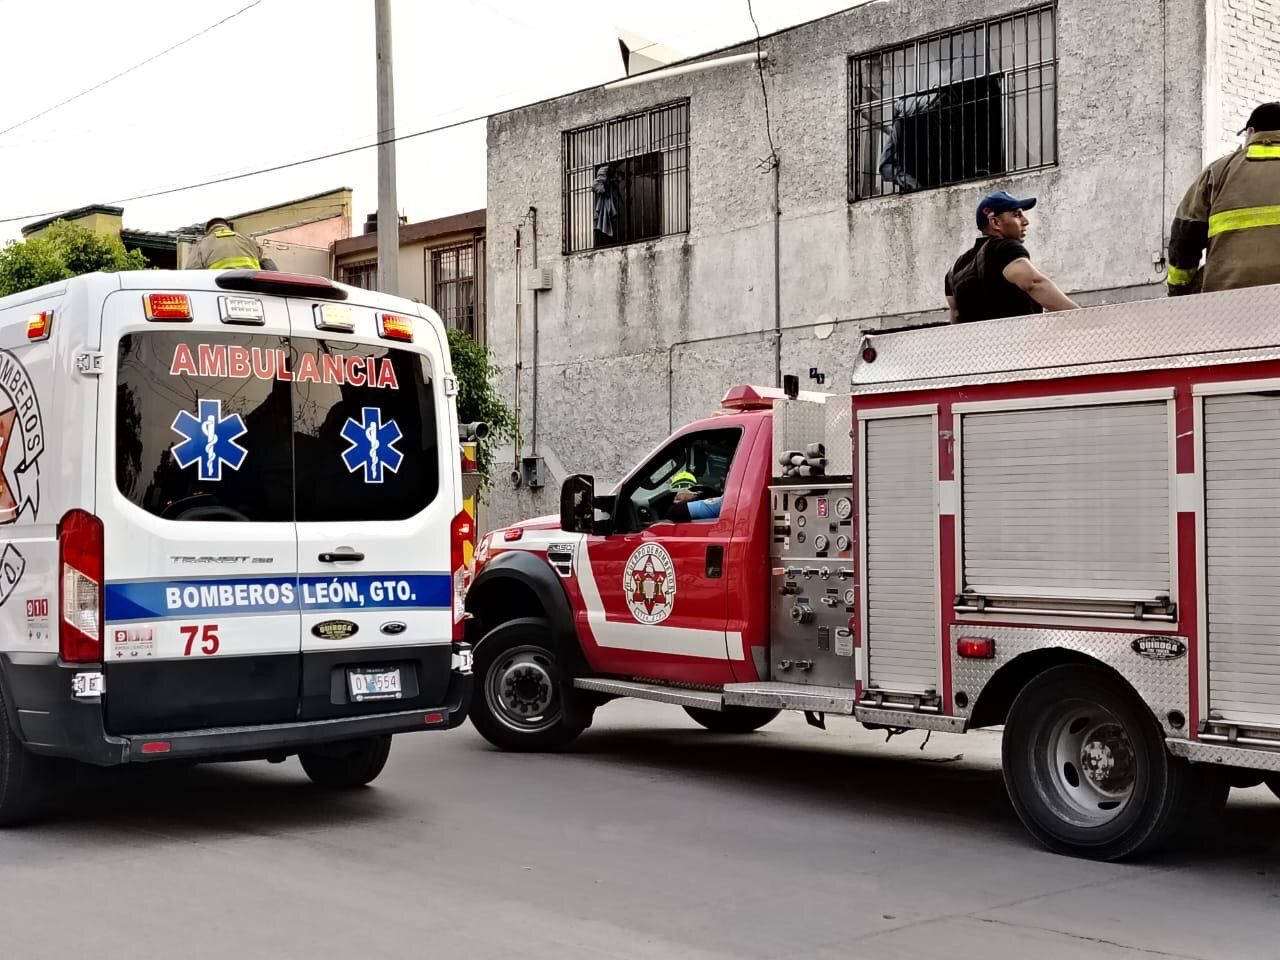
point(996, 278)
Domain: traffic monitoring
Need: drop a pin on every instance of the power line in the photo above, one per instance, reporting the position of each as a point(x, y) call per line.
point(768, 124)
point(272, 169)
point(136, 66)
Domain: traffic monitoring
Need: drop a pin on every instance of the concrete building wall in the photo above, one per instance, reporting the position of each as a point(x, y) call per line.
point(1244, 63)
point(632, 340)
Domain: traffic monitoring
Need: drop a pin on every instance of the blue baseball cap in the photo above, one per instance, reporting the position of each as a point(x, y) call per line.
point(1001, 202)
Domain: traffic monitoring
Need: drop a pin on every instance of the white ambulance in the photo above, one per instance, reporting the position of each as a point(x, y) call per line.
point(231, 526)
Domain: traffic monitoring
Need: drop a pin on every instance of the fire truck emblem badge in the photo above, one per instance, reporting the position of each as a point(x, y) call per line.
point(649, 584)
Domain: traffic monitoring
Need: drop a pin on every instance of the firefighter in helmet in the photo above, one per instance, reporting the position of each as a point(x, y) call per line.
point(221, 248)
point(692, 503)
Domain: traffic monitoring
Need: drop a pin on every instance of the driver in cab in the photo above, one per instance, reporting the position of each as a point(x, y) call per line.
point(689, 504)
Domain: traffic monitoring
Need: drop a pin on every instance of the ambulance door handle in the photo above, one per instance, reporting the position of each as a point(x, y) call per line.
point(342, 555)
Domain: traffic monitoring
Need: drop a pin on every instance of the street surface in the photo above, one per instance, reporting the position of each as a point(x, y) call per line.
point(651, 839)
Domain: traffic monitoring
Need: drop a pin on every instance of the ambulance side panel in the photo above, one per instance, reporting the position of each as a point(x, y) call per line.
point(47, 416)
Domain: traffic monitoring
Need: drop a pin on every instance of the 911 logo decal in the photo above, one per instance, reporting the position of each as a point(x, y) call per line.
point(649, 584)
point(209, 439)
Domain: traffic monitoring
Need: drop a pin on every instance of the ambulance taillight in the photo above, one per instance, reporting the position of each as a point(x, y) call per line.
point(461, 532)
point(392, 326)
point(80, 562)
point(167, 306)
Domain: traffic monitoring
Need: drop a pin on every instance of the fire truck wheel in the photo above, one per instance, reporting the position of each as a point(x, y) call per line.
point(518, 704)
point(732, 719)
point(26, 779)
point(354, 763)
point(1086, 767)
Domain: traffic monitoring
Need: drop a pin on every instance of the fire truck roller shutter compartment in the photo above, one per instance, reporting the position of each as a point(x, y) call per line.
point(1242, 543)
point(901, 555)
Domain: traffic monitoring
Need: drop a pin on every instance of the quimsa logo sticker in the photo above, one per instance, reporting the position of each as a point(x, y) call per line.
point(649, 584)
point(1159, 648)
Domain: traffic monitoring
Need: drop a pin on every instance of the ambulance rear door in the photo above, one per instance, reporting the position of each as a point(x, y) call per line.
point(195, 493)
point(376, 454)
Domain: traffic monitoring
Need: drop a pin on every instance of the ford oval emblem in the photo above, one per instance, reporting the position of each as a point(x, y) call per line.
point(1159, 648)
point(394, 627)
point(335, 629)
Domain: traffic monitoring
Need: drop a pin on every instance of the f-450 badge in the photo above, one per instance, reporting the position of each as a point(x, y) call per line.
point(649, 584)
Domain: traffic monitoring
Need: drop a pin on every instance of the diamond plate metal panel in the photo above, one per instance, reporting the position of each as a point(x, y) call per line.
point(1191, 331)
point(789, 696)
point(796, 424)
point(704, 699)
point(909, 719)
point(1162, 684)
point(1251, 758)
point(839, 434)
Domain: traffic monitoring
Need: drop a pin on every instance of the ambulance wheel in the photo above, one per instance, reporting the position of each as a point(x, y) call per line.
point(519, 703)
point(26, 779)
point(353, 763)
point(732, 719)
point(1086, 768)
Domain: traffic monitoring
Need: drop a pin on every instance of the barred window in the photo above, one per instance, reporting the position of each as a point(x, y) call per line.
point(363, 275)
point(453, 286)
point(967, 104)
point(627, 179)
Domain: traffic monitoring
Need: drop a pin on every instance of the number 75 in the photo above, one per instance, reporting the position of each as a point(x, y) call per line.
point(208, 636)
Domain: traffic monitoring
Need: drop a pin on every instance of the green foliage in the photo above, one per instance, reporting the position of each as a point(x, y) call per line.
point(64, 250)
point(478, 399)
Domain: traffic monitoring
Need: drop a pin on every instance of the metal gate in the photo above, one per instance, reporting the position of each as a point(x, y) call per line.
point(900, 525)
point(1242, 556)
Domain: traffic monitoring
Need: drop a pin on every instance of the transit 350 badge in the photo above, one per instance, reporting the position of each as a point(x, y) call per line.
point(649, 584)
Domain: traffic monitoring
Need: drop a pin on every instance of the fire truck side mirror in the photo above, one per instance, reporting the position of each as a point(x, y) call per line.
point(578, 504)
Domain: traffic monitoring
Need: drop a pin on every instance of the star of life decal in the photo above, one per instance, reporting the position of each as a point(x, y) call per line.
point(649, 583)
point(372, 447)
point(209, 439)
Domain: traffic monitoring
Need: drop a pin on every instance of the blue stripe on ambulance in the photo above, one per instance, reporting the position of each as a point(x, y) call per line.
point(129, 600)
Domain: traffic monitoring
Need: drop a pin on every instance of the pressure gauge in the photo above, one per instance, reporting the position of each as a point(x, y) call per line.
point(801, 504)
point(843, 543)
point(820, 542)
point(801, 521)
point(844, 508)
point(849, 597)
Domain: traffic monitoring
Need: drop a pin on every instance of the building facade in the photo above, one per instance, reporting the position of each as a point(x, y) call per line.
point(442, 264)
point(700, 228)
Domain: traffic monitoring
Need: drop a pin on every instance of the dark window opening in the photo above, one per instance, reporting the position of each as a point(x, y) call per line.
point(363, 275)
point(969, 104)
point(453, 285)
point(627, 179)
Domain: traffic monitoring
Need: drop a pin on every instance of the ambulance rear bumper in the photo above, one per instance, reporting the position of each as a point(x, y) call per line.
point(36, 693)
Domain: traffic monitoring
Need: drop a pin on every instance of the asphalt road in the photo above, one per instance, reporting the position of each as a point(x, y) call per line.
point(651, 839)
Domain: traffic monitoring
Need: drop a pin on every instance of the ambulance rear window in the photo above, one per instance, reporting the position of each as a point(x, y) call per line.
point(265, 428)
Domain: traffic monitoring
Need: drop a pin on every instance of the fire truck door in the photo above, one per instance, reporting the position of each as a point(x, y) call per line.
point(655, 591)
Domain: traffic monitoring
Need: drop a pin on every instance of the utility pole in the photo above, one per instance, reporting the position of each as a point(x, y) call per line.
point(388, 214)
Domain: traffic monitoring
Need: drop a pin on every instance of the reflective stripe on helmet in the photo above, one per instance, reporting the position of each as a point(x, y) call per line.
point(1181, 278)
point(683, 480)
point(1245, 218)
point(235, 263)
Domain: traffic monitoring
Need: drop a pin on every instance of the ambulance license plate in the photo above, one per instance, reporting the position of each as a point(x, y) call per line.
point(374, 684)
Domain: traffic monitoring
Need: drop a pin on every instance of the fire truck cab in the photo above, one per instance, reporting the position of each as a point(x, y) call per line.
point(1065, 524)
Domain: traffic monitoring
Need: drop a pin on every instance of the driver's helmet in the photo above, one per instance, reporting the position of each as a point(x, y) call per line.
point(683, 480)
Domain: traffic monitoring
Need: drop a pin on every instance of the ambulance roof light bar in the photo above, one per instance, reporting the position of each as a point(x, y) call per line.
point(284, 284)
point(748, 397)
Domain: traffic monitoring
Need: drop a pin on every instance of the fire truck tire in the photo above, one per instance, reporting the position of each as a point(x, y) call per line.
point(1086, 768)
point(518, 704)
point(26, 779)
point(732, 719)
point(354, 763)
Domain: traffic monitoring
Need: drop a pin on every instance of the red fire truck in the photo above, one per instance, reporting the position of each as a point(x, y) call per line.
point(1066, 524)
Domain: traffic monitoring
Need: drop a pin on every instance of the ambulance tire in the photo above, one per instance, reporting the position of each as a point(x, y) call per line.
point(732, 719)
point(517, 704)
point(1136, 795)
point(26, 779)
point(354, 763)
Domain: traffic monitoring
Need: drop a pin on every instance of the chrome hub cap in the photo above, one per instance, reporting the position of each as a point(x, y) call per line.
point(520, 689)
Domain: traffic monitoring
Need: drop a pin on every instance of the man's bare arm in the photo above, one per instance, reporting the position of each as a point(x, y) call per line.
point(955, 311)
point(1023, 274)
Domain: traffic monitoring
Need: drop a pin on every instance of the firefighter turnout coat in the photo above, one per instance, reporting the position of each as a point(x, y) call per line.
point(1233, 210)
point(225, 249)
